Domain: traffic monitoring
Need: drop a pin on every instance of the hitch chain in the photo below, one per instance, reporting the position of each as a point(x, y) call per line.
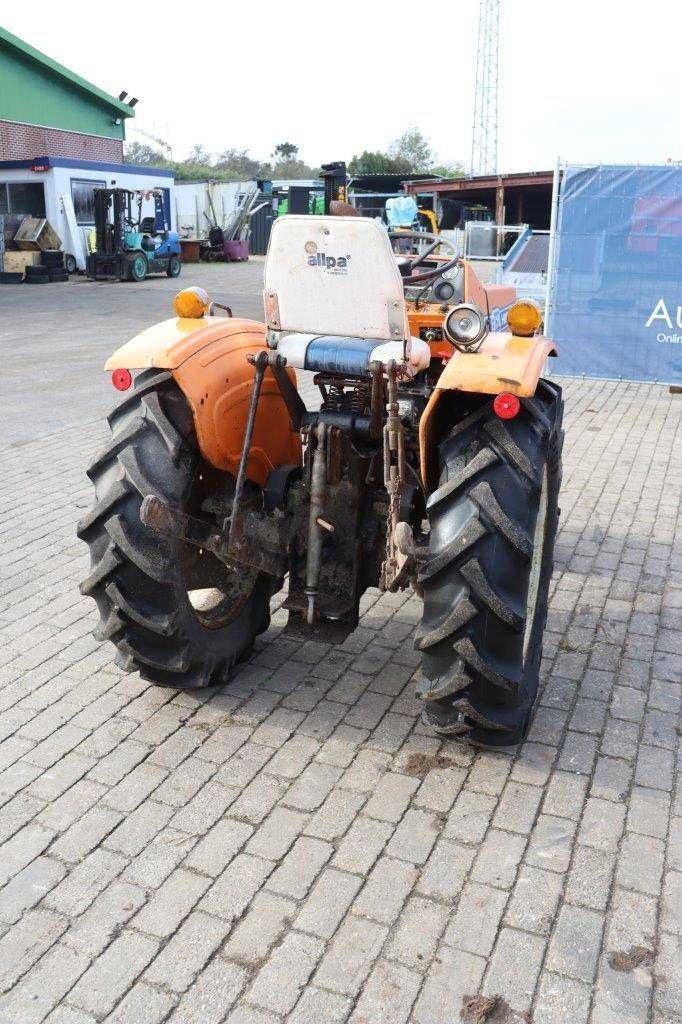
point(394, 571)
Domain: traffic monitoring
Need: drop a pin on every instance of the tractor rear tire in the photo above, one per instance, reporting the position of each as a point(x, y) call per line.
point(177, 615)
point(493, 520)
point(174, 267)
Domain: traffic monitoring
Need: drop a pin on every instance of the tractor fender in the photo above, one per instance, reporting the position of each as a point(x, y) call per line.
point(502, 363)
point(207, 359)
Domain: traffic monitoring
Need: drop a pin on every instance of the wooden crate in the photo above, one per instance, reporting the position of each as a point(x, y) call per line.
point(16, 262)
point(36, 233)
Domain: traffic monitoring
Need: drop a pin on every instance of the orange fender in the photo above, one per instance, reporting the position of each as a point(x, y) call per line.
point(207, 359)
point(503, 363)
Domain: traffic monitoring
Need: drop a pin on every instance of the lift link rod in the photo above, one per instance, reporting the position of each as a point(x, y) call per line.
point(398, 566)
point(318, 489)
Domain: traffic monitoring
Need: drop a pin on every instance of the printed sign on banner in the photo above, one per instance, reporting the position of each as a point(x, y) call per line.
point(617, 279)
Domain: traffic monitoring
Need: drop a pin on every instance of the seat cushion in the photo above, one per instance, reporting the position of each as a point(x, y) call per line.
point(348, 356)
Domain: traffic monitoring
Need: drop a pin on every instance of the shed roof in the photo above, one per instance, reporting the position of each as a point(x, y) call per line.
point(43, 61)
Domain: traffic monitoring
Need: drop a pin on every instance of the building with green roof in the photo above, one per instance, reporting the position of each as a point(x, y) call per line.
point(47, 109)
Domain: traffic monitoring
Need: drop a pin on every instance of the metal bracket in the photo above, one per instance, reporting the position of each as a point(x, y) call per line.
point(272, 317)
point(257, 543)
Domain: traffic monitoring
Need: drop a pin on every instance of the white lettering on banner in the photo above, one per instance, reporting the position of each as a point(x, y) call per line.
point(660, 312)
point(669, 339)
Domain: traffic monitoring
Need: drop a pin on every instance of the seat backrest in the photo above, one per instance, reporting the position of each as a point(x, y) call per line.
point(334, 276)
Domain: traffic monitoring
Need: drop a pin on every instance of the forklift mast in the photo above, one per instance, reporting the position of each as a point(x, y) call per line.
point(335, 180)
point(110, 234)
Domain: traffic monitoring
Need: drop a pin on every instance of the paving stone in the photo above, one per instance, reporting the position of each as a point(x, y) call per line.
point(453, 975)
point(632, 921)
point(142, 1003)
point(385, 890)
point(300, 867)
point(668, 991)
point(388, 995)
point(154, 864)
point(103, 984)
point(612, 778)
point(489, 773)
point(517, 808)
point(640, 863)
point(327, 903)
point(415, 938)
point(279, 982)
point(574, 947)
point(440, 789)
point(498, 859)
point(414, 837)
point(138, 828)
point(231, 893)
point(171, 903)
point(188, 950)
point(648, 812)
point(671, 914)
point(75, 893)
point(470, 817)
point(93, 931)
point(475, 925)
point(366, 770)
point(266, 920)
point(211, 996)
point(44, 986)
point(391, 797)
point(560, 1000)
point(28, 887)
point(589, 879)
point(215, 851)
point(534, 901)
point(362, 845)
point(312, 787)
point(316, 1006)
point(293, 757)
point(514, 968)
point(350, 955)
point(335, 815)
point(602, 825)
point(443, 874)
point(21, 849)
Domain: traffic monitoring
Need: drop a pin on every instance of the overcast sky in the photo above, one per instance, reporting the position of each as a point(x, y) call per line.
point(587, 80)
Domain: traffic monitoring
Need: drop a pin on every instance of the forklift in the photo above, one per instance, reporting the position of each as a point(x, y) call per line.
point(128, 246)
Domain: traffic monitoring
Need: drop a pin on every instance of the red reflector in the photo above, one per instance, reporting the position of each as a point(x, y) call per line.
point(121, 379)
point(506, 406)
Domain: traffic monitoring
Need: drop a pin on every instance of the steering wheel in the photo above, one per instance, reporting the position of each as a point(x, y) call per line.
point(407, 265)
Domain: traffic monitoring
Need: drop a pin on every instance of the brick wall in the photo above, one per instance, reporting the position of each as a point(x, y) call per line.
point(26, 141)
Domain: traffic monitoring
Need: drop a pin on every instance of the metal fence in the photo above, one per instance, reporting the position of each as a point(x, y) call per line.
point(615, 291)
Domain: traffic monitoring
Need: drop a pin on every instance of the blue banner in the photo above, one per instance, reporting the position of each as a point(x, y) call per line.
point(617, 281)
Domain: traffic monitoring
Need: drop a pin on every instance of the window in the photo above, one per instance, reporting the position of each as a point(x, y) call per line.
point(83, 195)
point(24, 198)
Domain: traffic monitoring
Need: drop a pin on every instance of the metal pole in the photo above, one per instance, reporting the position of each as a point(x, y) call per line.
point(549, 306)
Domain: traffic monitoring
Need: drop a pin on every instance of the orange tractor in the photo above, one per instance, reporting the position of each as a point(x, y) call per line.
point(432, 463)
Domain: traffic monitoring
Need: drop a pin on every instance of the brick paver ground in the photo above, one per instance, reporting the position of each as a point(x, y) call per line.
point(295, 846)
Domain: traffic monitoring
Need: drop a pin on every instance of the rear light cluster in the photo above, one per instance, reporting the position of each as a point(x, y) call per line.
point(121, 379)
point(506, 406)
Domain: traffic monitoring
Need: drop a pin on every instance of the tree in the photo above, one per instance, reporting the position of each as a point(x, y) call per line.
point(239, 164)
point(198, 157)
point(455, 170)
point(284, 152)
point(375, 162)
point(291, 169)
point(140, 153)
point(413, 149)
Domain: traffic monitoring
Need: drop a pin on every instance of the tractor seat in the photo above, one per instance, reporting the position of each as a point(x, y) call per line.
point(350, 357)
